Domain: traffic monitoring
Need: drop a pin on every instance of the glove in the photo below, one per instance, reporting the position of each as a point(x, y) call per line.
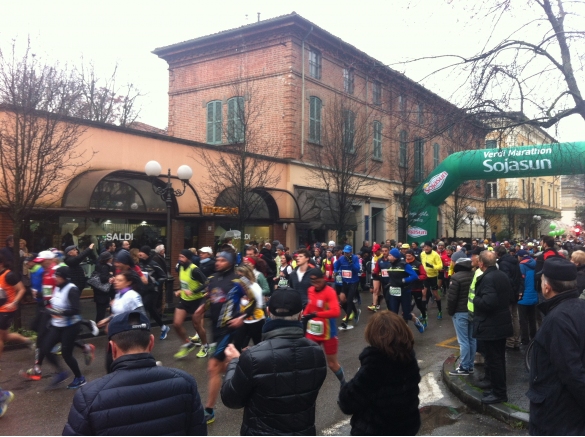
point(305, 319)
point(310, 316)
point(429, 265)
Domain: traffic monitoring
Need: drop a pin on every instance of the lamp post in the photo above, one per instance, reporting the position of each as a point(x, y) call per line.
point(471, 211)
point(537, 219)
point(184, 172)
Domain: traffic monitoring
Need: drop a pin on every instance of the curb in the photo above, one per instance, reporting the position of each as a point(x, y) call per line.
point(471, 397)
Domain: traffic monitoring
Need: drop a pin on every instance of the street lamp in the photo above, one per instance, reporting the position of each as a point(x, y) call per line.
point(184, 172)
point(471, 211)
point(537, 219)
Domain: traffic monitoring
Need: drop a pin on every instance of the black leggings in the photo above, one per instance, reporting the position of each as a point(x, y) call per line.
point(350, 291)
point(66, 336)
point(250, 331)
point(420, 303)
point(149, 301)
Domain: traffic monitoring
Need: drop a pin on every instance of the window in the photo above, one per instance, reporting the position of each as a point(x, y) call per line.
point(236, 118)
point(315, 120)
point(315, 63)
point(491, 144)
point(402, 104)
point(377, 140)
point(403, 148)
point(419, 163)
point(348, 80)
point(491, 189)
point(377, 93)
point(435, 155)
point(214, 122)
point(420, 113)
point(348, 130)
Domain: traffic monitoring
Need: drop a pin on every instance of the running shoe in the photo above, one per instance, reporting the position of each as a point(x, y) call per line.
point(357, 317)
point(345, 327)
point(350, 318)
point(418, 325)
point(195, 340)
point(56, 349)
point(209, 417)
point(89, 353)
point(77, 382)
point(203, 351)
point(164, 331)
point(424, 321)
point(185, 350)
point(459, 371)
point(34, 373)
point(440, 315)
point(58, 379)
point(373, 308)
point(5, 398)
point(94, 329)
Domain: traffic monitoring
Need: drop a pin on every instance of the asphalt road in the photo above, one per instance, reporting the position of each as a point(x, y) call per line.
point(38, 412)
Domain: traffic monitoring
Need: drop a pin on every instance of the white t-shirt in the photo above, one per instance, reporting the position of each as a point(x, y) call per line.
point(129, 301)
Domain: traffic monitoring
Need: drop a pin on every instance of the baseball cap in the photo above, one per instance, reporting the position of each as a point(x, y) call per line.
point(45, 254)
point(522, 253)
point(376, 247)
point(206, 249)
point(332, 243)
point(70, 248)
point(405, 246)
point(347, 249)
point(559, 269)
point(128, 321)
point(285, 303)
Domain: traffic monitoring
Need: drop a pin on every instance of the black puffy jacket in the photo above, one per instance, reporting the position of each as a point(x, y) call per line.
point(492, 319)
point(382, 396)
point(511, 267)
point(277, 382)
point(557, 370)
point(458, 292)
point(138, 398)
point(77, 273)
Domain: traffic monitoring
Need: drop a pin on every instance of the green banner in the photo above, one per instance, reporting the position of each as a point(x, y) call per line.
point(514, 162)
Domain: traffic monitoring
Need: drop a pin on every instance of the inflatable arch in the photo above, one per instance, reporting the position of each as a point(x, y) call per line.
point(514, 162)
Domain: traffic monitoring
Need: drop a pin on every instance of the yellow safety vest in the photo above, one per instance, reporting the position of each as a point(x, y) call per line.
point(476, 275)
point(188, 283)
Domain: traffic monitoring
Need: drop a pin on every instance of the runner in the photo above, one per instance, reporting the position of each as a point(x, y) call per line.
point(319, 317)
point(349, 267)
point(376, 284)
point(225, 293)
point(298, 280)
point(191, 297)
point(416, 287)
point(433, 265)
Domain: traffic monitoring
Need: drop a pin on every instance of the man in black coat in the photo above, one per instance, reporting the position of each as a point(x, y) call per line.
point(557, 371)
point(511, 267)
point(278, 380)
point(138, 397)
point(492, 323)
point(73, 259)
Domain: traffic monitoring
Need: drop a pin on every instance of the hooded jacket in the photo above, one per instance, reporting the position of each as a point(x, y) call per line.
point(138, 398)
point(509, 265)
point(527, 268)
point(277, 382)
point(383, 395)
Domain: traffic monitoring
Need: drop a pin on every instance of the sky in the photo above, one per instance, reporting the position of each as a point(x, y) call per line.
point(125, 32)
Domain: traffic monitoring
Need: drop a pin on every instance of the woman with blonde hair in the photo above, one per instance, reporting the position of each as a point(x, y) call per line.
point(252, 328)
point(578, 258)
point(383, 395)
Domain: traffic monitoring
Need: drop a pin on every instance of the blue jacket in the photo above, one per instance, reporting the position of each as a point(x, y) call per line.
point(138, 398)
point(36, 281)
point(527, 267)
point(344, 264)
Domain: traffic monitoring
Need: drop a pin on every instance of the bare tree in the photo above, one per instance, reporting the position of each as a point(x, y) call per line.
point(455, 212)
point(341, 163)
point(103, 100)
point(240, 174)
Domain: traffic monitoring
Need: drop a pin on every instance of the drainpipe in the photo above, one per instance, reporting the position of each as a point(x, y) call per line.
point(303, 93)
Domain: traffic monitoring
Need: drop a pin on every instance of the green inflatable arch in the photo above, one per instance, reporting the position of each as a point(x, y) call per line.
point(514, 162)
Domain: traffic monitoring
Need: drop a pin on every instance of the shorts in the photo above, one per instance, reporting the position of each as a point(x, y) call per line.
point(329, 346)
point(221, 340)
point(431, 283)
point(190, 305)
point(6, 320)
point(376, 277)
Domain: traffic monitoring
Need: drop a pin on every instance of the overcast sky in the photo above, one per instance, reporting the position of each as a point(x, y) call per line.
point(125, 32)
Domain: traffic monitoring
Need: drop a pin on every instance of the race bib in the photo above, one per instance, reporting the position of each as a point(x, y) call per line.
point(283, 283)
point(384, 273)
point(185, 286)
point(315, 327)
point(346, 274)
point(395, 291)
point(338, 279)
point(47, 290)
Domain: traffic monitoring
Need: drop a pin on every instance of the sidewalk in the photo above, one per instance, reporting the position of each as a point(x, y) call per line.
point(515, 411)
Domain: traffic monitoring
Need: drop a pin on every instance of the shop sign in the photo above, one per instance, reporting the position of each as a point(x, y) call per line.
point(222, 210)
point(120, 236)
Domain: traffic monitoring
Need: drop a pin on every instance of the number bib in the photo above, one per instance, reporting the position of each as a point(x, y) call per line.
point(185, 286)
point(283, 283)
point(47, 290)
point(315, 327)
point(346, 274)
point(395, 291)
point(338, 279)
point(384, 273)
